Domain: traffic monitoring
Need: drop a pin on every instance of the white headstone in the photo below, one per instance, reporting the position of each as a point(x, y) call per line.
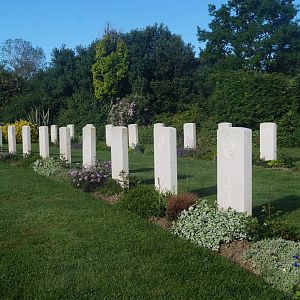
point(156, 129)
point(224, 124)
point(53, 134)
point(189, 133)
point(119, 153)
point(89, 145)
point(44, 141)
point(108, 133)
point(234, 169)
point(133, 135)
point(65, 144)
point(26, 139)
point(12, 147)
point(72, 130)
point(165, 153)
point(1, 138)
point(268, 141)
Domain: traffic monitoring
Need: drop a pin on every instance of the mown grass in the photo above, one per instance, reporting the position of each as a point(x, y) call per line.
point(57, 242)
point(279, 187)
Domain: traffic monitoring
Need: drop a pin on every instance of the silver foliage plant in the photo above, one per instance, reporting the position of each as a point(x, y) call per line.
point(47, 167)
point(277, 261)
point(208, 226)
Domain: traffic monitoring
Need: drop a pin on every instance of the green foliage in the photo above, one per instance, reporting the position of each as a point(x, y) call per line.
point(257, 35)
point(9, 157)
point(82, 109)
point(145, 201)
point(283, 162)
point(263, 97)
point(208, 226)
point(272, 226)
point(288, 133)
point(192, 115)
point(146, 135)
point(161, 72)
point(69, 73)
point(102, 146)
point(27, 161)
point(130, 181)
point(11, 86)
point(111, 66)
point(110, 187)
point(34, 132)
point(277, 262)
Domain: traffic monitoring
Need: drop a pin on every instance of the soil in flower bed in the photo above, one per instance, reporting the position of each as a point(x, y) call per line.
point(162, 222)
point(234, 252)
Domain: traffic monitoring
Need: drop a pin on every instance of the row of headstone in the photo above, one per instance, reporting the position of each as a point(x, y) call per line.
point(189, 130)
point(234, 163)
point(133, 136)
point(234, 156)
point(54, 133)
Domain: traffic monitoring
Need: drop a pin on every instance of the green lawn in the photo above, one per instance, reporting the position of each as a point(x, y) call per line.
point(57, 242)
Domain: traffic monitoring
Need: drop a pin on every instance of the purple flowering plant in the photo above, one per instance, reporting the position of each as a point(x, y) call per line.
point(88, 178)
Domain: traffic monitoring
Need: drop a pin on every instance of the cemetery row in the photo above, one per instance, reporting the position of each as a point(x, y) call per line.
point(234, 154)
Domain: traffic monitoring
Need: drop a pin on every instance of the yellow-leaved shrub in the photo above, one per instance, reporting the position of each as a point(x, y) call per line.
point(34, 132)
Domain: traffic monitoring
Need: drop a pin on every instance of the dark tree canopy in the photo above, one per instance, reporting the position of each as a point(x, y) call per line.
point(260, 35)
point(161, 68)
point(21, 57)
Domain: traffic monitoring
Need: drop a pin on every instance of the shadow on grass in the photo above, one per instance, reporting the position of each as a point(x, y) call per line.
point(285, 205)
point(206, 191)
point(142, 170)
point(148, 181)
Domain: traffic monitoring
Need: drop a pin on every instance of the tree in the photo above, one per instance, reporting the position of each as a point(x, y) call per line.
point(161, 69)
point(11, 85)
point(111, 67)
point(21, 57)
point(259, 35)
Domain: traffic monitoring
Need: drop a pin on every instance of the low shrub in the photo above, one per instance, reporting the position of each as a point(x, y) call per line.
point(198, 153)
point(283, 162)
point(129, 181)
point(177, 203)
point(48, 167)
point(89, 178)
point(208, 226)
point(277, 262)
point(102, 147)
point(110, 187)
point(27, 160)
point(9, 157)
point(272, 226)
point(137, 149)
point(145, 201)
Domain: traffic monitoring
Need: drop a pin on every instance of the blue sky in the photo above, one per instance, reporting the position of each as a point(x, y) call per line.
point(51, 23)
